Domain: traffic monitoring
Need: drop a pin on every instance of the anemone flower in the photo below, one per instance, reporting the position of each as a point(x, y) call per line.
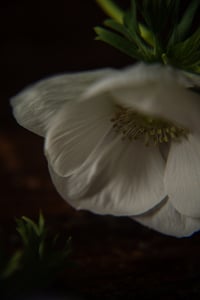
point(122, 142)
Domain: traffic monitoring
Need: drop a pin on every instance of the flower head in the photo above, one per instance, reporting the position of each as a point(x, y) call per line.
point(125, 143)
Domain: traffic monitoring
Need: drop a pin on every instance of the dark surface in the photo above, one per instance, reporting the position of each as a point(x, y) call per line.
point(116, 258)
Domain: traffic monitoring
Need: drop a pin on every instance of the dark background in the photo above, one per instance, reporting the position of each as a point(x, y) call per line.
point(116, 258)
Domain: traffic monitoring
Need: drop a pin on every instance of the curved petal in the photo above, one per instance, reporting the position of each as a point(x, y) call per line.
point(167, 220)
point(182, 177)
point(91, 177)
point(75, 132)
point(155, 90)
point(94, 174)
point(137, 183)
point(62, 186)
point(36, 105)
point(134, 183)
point(126, 181)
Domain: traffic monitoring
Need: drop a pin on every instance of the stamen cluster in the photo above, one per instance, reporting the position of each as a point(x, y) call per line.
point(150, 130)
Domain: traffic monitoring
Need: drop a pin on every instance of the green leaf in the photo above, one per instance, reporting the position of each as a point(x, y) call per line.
point(118, 28)
point(34, 266)
point(186, 54)
point(135, 39)
point(41, 223)
point(111, 9)
point(160, 16)
point(147, 35)
point(130, 19)
point(117, 42)
point(181, 29)
point(13, 265)
point(160, 36)
point(30, 225)
point(131, 25)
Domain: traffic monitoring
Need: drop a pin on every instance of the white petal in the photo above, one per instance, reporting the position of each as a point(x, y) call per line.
point(152, 89)
point(163, 218)
point(94, 174)
point(126, 181)
point(134, 182)
point(182, 178)
point(62, 186)
point(34, 107)
point(141, 73)
point(86, 182)
point(75, 132)
point(167, 220)
point(137, 183)
point(91, 177)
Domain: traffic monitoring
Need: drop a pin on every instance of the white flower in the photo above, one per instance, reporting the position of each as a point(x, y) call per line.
point(125, 143)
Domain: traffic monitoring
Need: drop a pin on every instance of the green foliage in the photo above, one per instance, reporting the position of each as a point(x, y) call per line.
point(37, 264)
point(182, 28)
point(187, 53)
point(156, 31)
point(117, 41)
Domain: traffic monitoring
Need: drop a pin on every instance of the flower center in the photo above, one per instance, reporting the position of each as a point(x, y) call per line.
point(150, 130)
